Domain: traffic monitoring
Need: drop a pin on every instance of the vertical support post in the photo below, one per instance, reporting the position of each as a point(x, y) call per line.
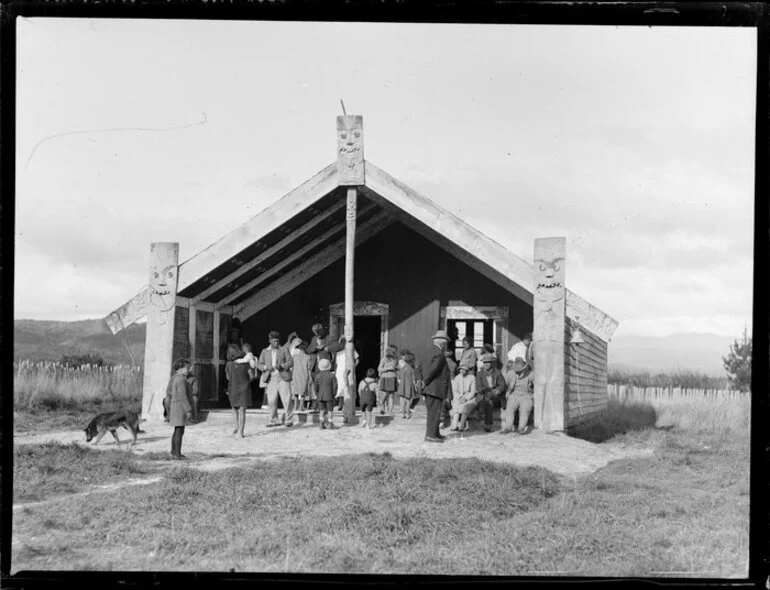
point(215, 362)
point(351, 173)
point(549, 310)
point(159, 339)
point(191, 327)
point(350, 245)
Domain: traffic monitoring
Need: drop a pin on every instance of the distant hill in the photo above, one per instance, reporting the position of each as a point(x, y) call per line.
point(38, 340)
point(48, 340)
point(698, 352)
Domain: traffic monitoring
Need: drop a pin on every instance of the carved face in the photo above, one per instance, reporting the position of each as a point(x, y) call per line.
point(550, 278)
point(350, 146)
point(163, 288)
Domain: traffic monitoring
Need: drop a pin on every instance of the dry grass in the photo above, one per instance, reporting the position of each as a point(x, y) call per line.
point(49, 396)
point(682, 512)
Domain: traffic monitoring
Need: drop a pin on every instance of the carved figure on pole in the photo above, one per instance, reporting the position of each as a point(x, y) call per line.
point(548, 337)
point(350, 150)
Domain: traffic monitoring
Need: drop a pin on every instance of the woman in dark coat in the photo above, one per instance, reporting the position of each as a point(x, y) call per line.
point(180, 410)
point(238, 387)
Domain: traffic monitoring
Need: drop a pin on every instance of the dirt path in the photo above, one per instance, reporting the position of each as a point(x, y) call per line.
point(211, 446)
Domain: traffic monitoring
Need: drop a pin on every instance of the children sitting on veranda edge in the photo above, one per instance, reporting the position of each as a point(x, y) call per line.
point(367, 395)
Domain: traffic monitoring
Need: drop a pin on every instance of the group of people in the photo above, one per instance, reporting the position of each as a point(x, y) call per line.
point(314, 376)
point(477, 384)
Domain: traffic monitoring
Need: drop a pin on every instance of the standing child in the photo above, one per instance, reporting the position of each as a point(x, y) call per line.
point(407, 383)
point(520, 389)
point(326, 386)
point(388, 376)
point(463, 398)
point(469, 358)
point(367, 394)
point(300, 378)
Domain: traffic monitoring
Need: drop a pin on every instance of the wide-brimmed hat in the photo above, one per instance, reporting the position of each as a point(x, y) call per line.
point(488, 358)
point(519, 364)
point(324, 364)
point(441, 334)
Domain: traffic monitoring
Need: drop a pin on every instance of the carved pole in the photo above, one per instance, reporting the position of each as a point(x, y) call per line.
point(548, 335)
point(350, 404)
point(350, 167)
point(159, 338)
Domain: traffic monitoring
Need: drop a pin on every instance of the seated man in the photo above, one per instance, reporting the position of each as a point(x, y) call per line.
point(490, 388)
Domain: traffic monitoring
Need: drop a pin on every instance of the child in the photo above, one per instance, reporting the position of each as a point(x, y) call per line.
point(196, 396)
point(469, 357)
point(463, 398)
point(300, 378)
point(407, 382)
point(248, 358)
point(388, 377)
point(326, 385)
point(367, 393)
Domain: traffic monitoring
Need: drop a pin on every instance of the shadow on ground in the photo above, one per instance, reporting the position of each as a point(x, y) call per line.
point(617, 418)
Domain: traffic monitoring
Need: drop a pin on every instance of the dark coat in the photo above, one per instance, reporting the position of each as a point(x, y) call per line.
point(438, 382)
point(482, 385)
point(181, 402)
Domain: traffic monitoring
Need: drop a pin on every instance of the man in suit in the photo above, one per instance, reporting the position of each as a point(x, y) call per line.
point(490, 387)
point(275, 362)
point(437, 389)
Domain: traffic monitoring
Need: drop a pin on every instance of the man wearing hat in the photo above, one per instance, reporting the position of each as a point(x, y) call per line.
point(520, 392)
point(490, 386)
point(437, 387)
point(275, 362)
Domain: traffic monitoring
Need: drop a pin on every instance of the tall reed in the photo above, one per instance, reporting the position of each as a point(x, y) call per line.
point(53, 386)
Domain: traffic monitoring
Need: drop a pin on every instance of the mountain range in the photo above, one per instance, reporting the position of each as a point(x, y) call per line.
point(38, 340)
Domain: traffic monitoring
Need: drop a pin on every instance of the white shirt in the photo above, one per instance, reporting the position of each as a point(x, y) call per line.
point(518, 350)
point(274, 356)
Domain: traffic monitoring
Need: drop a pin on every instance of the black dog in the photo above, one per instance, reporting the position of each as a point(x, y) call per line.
point(111, 421)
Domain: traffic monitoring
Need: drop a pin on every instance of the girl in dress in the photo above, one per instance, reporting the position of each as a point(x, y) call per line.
point(463, 398)
point(300, 378)
point(407, 383)
point(388, 379)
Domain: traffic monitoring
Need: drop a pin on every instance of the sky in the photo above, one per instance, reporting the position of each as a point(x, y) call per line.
point(635, 143)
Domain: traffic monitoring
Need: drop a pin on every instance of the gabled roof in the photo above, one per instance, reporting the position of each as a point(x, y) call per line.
point(304, 232)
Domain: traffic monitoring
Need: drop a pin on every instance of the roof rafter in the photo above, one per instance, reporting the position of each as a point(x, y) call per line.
point(309, 268)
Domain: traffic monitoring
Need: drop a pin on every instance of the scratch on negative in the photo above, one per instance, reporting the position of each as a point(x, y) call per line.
point(55, 135)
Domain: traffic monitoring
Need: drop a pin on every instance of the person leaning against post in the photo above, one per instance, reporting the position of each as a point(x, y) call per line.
point(437, 387)
point(275, 362)
point(180, 408)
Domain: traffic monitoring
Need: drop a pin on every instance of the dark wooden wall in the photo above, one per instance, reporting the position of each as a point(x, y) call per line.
point(403, 269)
point(585, 377)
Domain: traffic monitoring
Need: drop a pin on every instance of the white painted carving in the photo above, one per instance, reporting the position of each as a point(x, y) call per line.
point(350, 149)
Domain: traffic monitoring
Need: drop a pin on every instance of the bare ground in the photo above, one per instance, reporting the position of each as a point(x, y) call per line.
point(210, 444)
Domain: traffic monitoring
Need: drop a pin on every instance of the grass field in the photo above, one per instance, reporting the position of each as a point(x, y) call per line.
point(682, 512)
